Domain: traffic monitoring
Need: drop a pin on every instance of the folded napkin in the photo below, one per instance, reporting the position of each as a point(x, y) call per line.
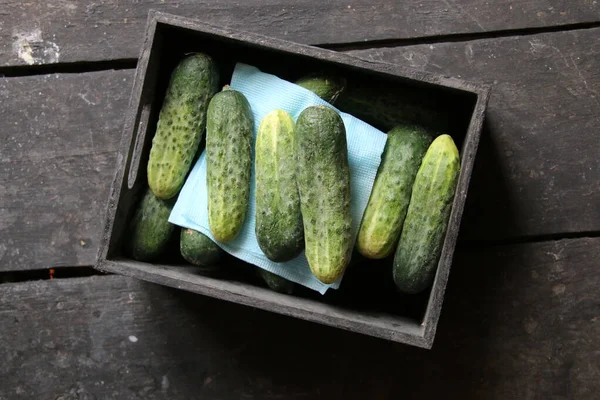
point(265, 93)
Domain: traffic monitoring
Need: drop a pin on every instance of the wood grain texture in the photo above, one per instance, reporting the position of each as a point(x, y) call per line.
point(537, 170)
point(40, 32)
point(57, 159)
point(520, 322)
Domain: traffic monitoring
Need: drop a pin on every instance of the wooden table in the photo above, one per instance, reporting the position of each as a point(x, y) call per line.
point(522, 314)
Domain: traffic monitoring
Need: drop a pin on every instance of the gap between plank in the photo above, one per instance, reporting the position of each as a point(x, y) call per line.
point(456, 37)
point(131, 63)
point(47, 274)
point(68, 68)
point(466, 244)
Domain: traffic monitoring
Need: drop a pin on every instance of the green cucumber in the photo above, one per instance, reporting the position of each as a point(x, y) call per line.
point(326, 87)
point(197, 248)
point(279, 229)
point(323, 177)
point(386, 108)
point(385, 212)
point(228, 162)
point(275, 282)
point(150, 229)
point(422, 237)
point(181, 124)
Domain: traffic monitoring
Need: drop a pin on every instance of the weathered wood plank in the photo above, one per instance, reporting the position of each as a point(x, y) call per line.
point(536, 332)
point(537, 172)
point(57, 160)
point(39, 31)
point(519, 322)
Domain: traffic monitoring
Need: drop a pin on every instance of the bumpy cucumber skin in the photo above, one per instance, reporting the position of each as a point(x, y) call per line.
point(150, 229)
point(279, 228)
point(388, 109)
point(323, 177)
point(197, 248)
point(181, 124)
point(275, 282)
point(326, 87)
point(228, 162)
point(385, 212)
point(422, 237)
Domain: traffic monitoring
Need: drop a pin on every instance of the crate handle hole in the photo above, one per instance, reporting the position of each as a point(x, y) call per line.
point(139, 133)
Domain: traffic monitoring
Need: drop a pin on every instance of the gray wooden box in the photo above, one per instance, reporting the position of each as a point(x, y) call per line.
point(168, 38)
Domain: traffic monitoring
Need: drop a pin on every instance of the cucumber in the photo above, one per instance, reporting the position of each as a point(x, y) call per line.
point(385, 212)
point(385, 108)
point(422, 237)
point(197, 248)
point(275, 282)
point(181, 124)
point(279, 229)
point(228, 162)
point(326, 87)
point(323, 177)
point(150, 229)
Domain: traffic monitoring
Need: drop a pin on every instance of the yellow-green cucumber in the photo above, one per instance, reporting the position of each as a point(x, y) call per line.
point(228, 162)
point(422, 237)
point(323, 177)
point(181, 124)
point(385, 212)
point(279, 229)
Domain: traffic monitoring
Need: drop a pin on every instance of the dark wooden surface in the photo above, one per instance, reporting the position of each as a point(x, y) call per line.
point(60, 135)
point(521, 321)
point(39, 31)
point(536, 173)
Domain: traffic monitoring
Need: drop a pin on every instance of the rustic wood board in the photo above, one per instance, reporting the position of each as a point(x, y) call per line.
point(40, 32)
point(519, 322)
point(537, 171)
point(60, 135)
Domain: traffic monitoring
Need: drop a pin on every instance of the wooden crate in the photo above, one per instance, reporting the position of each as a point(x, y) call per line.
point(406, 319)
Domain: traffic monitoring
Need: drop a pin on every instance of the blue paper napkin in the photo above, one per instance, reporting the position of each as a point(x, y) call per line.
point(265, 93)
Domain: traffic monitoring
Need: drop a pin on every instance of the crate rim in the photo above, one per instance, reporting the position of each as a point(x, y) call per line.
point(424, 334)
